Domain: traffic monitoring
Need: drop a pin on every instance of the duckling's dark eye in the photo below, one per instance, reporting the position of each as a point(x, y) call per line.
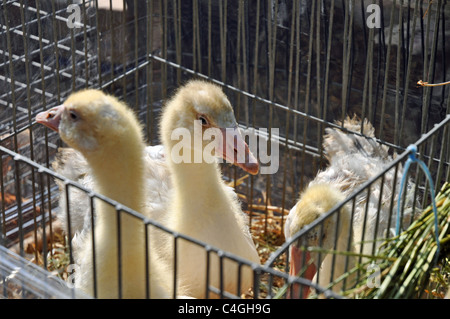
point(73, 115)
point(203, 120)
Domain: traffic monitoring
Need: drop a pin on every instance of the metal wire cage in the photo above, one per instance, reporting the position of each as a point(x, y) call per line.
point(297, 67)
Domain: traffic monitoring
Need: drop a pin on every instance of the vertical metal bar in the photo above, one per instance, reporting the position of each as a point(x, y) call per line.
point(56, 49)
point(163, 10)
point(42, 64)
point(350, 241)
point(308, 88)
point(44, 102)
point(394, 191)
point(3, 212)
point(17, 180)
point(149, 68)
point(380, 203)
point(221, 274)
point(209, 73)
point(347, 57)
point(238, 65)
point(86, 51)
point(418, 176)
point(99, 48)
point(208, 270)
point(137, 17)
point(43, 222)
point(408, 72)
point(336, 238)
point(297, 78)
point(304, 288)
point(318, 75)
point(147, 261)
point(73, 56)
point(119, 252)
point(94, 259)
point(272, 40)
point(441, 161)
point(319, 254)
point(69, 221)
point(194, 34)
point(430, 164)
point(397, 81)
point(289, 93)
point(444, 55)
point(428, 68)
point(124, 47)
point(345, 62)
point(30, 131)
point(245, 57)
point(175, 264)
point(255, 90)
point(11, 73)
point(113, 45)
point(327, 70)
point(367, 79)
point(176, 7)
point(238, 72)
point(447, 137)
point(363, 233)
point(386, 71)
point(223, 8)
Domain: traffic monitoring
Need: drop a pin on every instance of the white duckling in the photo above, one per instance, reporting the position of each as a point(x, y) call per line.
point(201, 205)
point(353, 160)
point(108, 135)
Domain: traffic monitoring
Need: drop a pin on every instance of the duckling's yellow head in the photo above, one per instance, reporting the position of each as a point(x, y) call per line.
point(201, 111)
point(90, 120)
point(314, 202)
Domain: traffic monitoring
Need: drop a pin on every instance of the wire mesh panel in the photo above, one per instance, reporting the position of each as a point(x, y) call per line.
point(294, 71)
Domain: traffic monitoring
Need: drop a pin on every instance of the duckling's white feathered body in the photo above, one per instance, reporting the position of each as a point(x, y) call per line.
point(355, 160)
point(211, 213)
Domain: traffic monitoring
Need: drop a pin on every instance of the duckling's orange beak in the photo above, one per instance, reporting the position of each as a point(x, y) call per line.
point(51, 118)
point(297, 268)
point(236, 151)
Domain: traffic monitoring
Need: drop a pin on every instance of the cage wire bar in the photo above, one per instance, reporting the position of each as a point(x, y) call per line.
point(299, 66)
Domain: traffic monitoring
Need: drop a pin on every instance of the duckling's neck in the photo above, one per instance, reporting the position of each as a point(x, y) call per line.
point(201, 202)
point(120, 177)
point(197, 181)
